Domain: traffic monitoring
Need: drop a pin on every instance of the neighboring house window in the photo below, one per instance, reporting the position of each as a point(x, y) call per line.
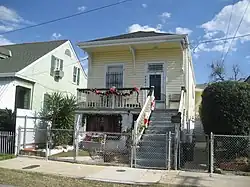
point(45, 101)
point(76, 75)
point(23, 96)
point(56, 64)
point(114, 76)
point(67, 52)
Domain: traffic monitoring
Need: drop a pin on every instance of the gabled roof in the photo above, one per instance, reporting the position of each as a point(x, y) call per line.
point(25, 54)
point(139, 34)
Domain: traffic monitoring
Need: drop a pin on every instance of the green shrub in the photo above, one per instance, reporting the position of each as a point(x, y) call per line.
point(225, 108)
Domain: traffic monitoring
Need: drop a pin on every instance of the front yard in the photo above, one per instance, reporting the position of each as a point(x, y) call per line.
point(31, 179)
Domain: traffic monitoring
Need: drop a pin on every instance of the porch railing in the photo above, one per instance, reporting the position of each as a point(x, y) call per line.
point(112, 98)
point(142, 120)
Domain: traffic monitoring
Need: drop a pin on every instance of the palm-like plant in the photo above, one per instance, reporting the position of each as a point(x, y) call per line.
point(60, 110)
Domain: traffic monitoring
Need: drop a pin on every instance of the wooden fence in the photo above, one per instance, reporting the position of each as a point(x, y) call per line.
point(7, 142)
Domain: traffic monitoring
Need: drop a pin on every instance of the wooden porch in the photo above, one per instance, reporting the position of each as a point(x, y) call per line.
point(113, 100)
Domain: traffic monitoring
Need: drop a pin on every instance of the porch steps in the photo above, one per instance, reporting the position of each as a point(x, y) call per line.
point(152, 149)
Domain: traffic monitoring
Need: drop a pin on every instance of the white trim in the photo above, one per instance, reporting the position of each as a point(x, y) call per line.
point(75, 55)
point(141, 40)
point(114, 64)
point(163, 76)
point(7, 75)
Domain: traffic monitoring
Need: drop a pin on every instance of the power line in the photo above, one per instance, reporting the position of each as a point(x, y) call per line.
point(229, 22)
point(230, 46)
point(219, 39)
point(66, 17)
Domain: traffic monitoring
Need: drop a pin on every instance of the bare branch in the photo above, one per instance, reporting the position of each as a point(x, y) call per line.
point(217, 71)
point(236, 72)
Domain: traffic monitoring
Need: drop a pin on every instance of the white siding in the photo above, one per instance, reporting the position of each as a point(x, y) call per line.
point(7, 93)
point(174, 77)
point(40, 73)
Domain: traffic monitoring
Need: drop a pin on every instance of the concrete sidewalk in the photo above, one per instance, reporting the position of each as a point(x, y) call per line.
point(126, 175)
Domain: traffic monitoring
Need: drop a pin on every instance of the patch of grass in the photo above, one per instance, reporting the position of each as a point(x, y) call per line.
point(31, 179)
point(71, 154)
point(6, 156)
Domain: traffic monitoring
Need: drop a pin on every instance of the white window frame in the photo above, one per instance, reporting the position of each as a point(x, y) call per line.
point(162, 73)
point(114, 64)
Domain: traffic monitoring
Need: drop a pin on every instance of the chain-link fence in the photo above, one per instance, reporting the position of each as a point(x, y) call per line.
point(82, 147)
point(194, 152)
point(231, 153)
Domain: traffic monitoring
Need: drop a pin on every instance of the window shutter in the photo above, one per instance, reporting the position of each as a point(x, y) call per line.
point(78, 76)
point(61, 64)
point(74, 73)
point(53, 65)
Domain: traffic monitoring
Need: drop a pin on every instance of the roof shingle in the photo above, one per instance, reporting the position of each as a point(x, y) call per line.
point(139, 34)
point(25, 54)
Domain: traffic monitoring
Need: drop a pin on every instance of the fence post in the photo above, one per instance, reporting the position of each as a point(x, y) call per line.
point(169, 150)
point(24, 133)
point(47, 141)
point(135, 144)
point(132, 149)
point(78, 117)
point(211, 154)
point(19, 135)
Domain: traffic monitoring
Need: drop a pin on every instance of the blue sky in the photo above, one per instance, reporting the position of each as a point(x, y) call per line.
point(201, 19)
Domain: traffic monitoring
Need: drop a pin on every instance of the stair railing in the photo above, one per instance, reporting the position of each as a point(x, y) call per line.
point(142, 120)
point(182, 106)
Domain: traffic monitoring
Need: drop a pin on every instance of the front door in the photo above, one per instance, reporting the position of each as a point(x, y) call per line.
point(155, 80)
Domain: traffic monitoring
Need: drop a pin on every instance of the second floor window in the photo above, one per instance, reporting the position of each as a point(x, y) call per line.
point(56, 64)
point(114, 76)
point(76, 75)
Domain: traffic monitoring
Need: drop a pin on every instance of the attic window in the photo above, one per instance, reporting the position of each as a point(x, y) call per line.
point(155, 67)
point(67, 52)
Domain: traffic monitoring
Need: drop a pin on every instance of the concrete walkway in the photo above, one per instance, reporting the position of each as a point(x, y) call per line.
point(126, 175)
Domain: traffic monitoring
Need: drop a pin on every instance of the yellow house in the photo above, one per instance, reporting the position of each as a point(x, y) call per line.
point(131, 73)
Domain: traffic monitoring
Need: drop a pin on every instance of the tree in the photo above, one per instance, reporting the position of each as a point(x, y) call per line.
point(225, 108)
point(7, 120)
point(218, 72)
point(60, 110)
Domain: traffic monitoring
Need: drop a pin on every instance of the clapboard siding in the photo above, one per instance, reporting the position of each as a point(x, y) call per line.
point(137, 77)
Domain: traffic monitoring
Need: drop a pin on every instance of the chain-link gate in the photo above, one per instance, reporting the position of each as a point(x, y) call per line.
point(194, 152)
point(153, 151)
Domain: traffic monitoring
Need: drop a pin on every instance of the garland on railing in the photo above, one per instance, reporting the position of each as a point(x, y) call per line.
point(114, 91)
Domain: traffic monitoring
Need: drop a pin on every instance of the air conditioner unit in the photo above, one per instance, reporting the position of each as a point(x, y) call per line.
point(58, 74)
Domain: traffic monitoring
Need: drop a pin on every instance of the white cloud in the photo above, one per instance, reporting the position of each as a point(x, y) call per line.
point(144, 5)
point(138, 27)
point(81, 8)
point(4, 41)
point(10, 20)
point(181, 30)
point(217, 27)
point(56, 36)
point(164, 16)
point(248, 57)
